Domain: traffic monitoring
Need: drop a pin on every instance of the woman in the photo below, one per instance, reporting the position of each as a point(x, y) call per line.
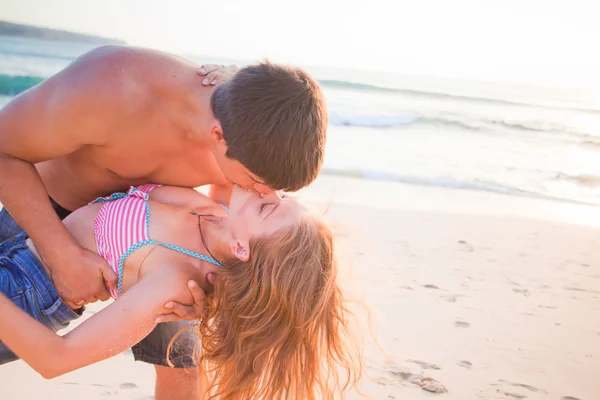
point(275, 325)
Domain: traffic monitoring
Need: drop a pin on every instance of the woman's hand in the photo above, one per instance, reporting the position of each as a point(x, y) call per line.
point(185, 312)
point(215, 74)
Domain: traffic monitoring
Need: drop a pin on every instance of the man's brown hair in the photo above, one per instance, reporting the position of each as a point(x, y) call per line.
point(274, 121)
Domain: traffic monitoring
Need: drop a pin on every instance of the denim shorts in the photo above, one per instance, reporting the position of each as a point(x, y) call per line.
point(24, 280)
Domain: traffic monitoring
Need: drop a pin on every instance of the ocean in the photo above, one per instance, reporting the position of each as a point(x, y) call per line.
point(516, 140)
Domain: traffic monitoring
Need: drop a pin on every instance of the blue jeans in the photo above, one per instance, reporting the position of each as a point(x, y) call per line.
point(24, 280)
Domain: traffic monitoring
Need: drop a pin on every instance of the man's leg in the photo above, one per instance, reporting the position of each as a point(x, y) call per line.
point(176, 383)
point(179, 382)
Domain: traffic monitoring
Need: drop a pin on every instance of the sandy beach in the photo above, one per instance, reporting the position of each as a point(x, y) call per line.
point(489, 296)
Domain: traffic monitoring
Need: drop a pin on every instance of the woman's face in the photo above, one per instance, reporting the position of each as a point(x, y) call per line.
point(252, 215)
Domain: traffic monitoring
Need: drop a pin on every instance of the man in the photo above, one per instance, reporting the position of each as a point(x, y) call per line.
point(121, 116)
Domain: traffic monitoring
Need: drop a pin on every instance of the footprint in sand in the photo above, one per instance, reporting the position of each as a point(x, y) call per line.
point(450, 298)
point(515, 395)
point(430, 286)
point(576, 289)
point(432, 386)
point(524, 386)
point(428, 384)
point(467, 246)
point(424, 364)
point(127, 386)
point(461, 324)
point(465, 364)
point(524, 292)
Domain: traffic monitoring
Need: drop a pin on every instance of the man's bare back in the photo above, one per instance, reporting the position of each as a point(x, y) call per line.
point(144, 110)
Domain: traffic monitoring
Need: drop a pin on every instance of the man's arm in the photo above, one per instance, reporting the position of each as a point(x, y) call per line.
point(72, 109)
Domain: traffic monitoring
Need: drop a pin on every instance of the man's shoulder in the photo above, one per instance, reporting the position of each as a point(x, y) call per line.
point(133, 67)
point(124, 53)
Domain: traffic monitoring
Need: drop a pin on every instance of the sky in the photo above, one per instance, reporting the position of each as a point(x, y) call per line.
point(524, 41)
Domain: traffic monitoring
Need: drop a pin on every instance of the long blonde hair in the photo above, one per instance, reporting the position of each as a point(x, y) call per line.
point(278, 325)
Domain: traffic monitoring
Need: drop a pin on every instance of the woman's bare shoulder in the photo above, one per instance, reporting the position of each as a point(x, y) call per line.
point(173, 273)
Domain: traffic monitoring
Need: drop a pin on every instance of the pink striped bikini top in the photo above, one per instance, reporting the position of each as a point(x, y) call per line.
point(121, 227)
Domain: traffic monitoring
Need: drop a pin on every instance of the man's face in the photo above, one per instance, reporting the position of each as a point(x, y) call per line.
point(239, 175)
point(234, 171)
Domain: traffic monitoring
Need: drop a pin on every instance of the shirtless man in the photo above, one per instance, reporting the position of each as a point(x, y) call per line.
point(121, 116)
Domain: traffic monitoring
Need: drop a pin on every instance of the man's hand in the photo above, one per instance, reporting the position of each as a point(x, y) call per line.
point(82, 278)
point(178, 312)
point(215, 74)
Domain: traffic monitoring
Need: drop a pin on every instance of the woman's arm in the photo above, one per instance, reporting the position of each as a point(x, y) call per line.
point(107, 333)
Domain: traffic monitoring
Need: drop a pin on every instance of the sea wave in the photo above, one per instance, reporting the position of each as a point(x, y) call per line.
point(585, 180)
point(357, 86)
point(342, 117)
point(40, 53)
point(591, 144)
point(446, 183)
point(13, 85)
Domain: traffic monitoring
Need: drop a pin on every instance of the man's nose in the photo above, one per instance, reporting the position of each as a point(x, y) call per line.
point(261, 189)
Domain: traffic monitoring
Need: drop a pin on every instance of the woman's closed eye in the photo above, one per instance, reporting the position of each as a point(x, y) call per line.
point(262, 207)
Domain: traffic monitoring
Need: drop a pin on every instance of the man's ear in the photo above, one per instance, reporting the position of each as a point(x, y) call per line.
point(216, 133)
point(241, 250)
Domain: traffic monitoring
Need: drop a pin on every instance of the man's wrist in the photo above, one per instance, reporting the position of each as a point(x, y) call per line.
point(53, 253)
